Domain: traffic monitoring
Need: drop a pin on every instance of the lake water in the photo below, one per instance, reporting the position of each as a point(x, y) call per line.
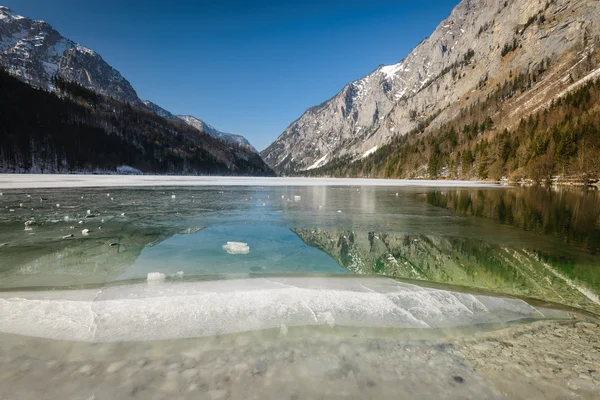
point(534, 242)
point(362, 260)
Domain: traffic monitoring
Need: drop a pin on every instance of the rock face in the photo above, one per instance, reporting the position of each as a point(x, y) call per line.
point(204, 127)
point(35, 52)
point(481, 41)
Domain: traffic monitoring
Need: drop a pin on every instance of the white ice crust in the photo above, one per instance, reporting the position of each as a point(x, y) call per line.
point(236, 248)
point(28, 181)
point(196, 309)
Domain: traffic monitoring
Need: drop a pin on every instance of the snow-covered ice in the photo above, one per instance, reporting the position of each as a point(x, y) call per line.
point(194, 309)
point(27, 181)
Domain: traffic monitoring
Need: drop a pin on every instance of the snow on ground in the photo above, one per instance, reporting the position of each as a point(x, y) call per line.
point(318, 163)
point(369, 152)
point(28, 181)
point(390, 70)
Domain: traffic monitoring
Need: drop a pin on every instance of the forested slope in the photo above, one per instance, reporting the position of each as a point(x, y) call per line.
point(562, 139)
point(78, 130)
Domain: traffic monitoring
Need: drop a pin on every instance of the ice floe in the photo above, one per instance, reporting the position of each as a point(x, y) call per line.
point(236, 248)
point(18, 181)
point(155, 277)
point(194, 309)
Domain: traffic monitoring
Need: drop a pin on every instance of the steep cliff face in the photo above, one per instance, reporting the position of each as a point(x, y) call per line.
point(481, 43)
point(35, 52)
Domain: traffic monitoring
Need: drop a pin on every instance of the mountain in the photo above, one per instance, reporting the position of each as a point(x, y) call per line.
point(204, 127)
point(74, 129)
point(468, 58)
point(35, 52)
point(159, 110)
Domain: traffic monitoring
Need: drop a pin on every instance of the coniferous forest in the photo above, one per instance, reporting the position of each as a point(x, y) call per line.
point(78, 130)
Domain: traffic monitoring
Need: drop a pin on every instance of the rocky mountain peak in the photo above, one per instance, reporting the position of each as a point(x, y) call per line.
point(439, 76)
point(35, 52)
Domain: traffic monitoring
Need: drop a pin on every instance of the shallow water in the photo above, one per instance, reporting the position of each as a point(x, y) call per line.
point(334, 285)
point(522, 241)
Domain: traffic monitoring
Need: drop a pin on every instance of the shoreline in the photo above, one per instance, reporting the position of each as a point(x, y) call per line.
point(523, 361)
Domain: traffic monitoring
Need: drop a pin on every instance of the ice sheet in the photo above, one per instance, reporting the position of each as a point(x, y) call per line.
point(195, 309)
point(19, 181)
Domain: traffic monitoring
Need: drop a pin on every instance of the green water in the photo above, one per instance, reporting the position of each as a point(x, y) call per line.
point(532, 242)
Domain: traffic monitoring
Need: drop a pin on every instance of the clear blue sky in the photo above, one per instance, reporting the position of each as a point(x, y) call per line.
point(246, 67)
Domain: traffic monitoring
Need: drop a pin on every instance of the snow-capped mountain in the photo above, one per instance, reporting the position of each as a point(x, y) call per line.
point(481, 43)
point(211, 130)
point(35, 52)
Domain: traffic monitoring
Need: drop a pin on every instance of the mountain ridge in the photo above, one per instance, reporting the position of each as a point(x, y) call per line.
point(35, 52)
point(451, 69)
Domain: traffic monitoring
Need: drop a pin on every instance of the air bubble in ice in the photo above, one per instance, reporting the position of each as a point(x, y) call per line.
point(283, 330)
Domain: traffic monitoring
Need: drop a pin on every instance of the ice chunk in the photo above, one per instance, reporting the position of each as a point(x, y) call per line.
point(236, 248)
point(297, 198)
point(173, 196)
point(192, 309)
point(155, 277)
point(85, 232)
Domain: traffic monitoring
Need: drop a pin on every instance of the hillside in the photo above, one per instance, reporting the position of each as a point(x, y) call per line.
point(561, 141)
point(77, 130)
point(36, 53)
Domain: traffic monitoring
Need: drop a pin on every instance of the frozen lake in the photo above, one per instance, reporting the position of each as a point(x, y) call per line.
point(115, 286)
point(25, 181)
